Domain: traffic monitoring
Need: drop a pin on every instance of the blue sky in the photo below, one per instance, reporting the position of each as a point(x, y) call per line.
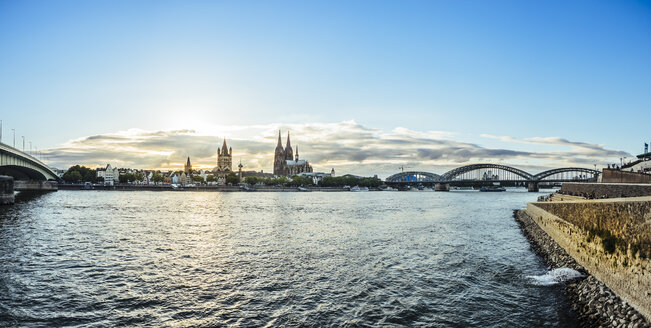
point(467, 70)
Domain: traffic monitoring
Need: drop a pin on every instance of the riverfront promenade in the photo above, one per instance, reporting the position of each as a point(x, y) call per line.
point(609, 240)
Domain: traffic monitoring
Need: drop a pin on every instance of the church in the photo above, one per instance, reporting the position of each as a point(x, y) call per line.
point(285, 164)
point(224, 161)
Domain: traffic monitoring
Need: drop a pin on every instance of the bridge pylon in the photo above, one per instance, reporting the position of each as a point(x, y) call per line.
point(532, 186)
point(442, 187)
point(6, 190)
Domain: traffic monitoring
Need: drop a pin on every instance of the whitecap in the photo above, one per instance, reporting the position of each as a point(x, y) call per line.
point(556, 276)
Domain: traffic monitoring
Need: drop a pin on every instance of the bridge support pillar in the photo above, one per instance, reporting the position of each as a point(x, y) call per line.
point(442, 187)
point(6, 190)
point(532, 186)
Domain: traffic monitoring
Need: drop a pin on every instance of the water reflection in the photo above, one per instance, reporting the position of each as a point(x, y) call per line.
point(253, 259)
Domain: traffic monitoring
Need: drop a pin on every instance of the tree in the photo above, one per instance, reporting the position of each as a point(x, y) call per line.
point(156, 178)
point(301, 181)
point(251, 180)
point(123, 178)
point(197, 178)
point(72, 176)
point(232, 179)
point(85, 174)
point(211, 178)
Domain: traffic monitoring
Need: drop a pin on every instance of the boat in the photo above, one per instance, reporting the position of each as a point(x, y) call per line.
point(357, 188)
point(303, 189)
point(388, 189)
point(492, 188)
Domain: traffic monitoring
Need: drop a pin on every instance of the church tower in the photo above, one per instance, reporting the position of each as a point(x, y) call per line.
point(289, 153)
point(188, 167)
point(279, 157)
point(224, 159)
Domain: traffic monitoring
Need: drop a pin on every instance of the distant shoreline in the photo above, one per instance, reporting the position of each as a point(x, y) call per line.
point(201, 188)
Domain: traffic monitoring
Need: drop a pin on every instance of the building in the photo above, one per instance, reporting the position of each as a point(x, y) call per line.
point(285, 164)
point(224, 161)
point(188, 167)
point(109, 174)
point(58, 172)
point(317, 176)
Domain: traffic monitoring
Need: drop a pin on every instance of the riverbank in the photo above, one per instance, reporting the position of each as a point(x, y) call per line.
point(198, 188)
point(595, 304)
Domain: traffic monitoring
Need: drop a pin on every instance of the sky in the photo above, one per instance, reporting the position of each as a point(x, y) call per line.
point(364, 86)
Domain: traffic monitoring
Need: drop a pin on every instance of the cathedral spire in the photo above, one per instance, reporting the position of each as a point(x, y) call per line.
point(224, 147)
point(297, 153)
point(280, 143)
point(289, 154)
point(188, 167)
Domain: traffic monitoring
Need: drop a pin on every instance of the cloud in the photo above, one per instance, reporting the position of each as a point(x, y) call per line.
point(581, 148)
point(347, 146)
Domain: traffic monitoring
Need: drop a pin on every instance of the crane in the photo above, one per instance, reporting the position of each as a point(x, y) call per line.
point(402, 168)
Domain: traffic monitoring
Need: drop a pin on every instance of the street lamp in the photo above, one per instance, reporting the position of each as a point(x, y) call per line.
point(14, 131)
point(23, 143)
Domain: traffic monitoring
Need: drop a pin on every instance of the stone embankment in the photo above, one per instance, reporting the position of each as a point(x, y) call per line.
point(606, 190)
point(595, 304)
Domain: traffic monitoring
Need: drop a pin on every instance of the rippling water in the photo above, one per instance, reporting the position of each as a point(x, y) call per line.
point(92, 258)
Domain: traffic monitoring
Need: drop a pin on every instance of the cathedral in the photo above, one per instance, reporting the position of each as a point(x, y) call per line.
point(285, 164)
point(224, 161)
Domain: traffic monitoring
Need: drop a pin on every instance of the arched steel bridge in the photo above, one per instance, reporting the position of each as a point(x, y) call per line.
point(22, 166)
point(485, 174)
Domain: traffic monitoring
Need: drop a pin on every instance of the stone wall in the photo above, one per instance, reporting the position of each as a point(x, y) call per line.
point(617, 176)
point(611, 190)
point(35, 185)
point(588, 229)
point(621, 222)
point(595, 304)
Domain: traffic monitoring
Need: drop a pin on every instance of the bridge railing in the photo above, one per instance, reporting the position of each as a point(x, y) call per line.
point(12, 150)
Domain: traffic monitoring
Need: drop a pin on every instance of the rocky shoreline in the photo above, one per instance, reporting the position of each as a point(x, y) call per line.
point(594, 303)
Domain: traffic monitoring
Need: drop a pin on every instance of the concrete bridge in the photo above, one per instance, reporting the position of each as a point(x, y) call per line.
point(23, 172)
point(477, 175)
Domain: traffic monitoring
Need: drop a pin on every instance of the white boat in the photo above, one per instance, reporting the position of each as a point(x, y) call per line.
point(357, 188)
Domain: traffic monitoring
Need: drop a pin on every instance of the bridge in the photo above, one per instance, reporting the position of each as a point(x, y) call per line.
point(477, 175)
point(23, 172)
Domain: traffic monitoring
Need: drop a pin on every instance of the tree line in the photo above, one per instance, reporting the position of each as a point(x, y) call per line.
point(77, 174)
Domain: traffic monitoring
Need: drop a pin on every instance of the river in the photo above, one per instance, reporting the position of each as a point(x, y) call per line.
point(206, 259)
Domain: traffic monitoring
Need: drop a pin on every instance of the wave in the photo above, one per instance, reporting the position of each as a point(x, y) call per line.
point(556, 276)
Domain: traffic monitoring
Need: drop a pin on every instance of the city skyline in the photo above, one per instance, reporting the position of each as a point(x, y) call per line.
point(346, 146)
